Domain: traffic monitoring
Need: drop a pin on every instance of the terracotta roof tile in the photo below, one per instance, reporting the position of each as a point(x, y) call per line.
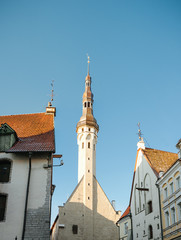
point(125, 213)
point(160, 160)
point(35, 131)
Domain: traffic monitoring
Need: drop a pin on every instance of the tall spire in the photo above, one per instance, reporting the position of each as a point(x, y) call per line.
point(87, 117)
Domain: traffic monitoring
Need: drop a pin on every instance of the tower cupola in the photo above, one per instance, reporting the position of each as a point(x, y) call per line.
point(87, 117)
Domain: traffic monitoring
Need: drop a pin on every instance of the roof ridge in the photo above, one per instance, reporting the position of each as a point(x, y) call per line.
point(22, 114)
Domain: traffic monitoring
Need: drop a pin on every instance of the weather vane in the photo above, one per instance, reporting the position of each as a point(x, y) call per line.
point(139, 131)
point(52, 92)
point(88, 61)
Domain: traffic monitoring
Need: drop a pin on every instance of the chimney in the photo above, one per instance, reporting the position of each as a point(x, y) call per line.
point(50, 109)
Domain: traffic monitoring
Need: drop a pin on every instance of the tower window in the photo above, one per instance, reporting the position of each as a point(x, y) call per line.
point(82, 129)
point(75, 229)
point(88, 184)
point(88, 198)
point(88, 170)
point(3, 199)
point(85, 104)
point(88, 104)
point(89, 129)
point(88, 144)
point(82, 145)
point(88, 158)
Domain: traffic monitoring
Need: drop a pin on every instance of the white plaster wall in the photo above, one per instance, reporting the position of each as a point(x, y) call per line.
point(16, 191)
point(141, 221)
point(122, 227)
point(86, 136)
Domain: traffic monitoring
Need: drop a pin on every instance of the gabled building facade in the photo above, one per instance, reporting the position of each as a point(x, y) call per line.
point(27, 145)
point(144, 201)
point(87, 214)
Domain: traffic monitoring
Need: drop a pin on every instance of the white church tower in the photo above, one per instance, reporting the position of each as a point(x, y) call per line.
point(87, 130)
point(88, 213)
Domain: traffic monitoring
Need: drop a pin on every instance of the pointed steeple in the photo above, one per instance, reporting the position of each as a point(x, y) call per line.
point(87, 117)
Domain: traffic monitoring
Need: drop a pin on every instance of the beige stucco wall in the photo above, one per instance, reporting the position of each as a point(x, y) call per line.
point(93, 224)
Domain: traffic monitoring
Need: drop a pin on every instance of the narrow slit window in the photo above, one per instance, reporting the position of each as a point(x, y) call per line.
point(88, 144)
point(85, 104)
point(88, 104)
point(3, 199)
point(82, 145)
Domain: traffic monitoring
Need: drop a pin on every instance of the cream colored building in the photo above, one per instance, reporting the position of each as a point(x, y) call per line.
point(88, 213)
point(170, 198)
point(125, 225)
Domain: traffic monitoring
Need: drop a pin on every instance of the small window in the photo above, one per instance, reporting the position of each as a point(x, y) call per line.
point(150, 232)
point(88, 144)
point(178, 182)
point(85, 104)
point(94, 147)
point(88, 104)
point(3, 199)
point(5, 167)
point(126, 228)
point(88, 158)
point(88, 184)
point(88, 170)
point(82, 129)
point(158, 226)
point(173, 215)
point(171, 188)
point(150, 208)
point(75, 229)
point(82, 145)
point(88, 198)
point(89, 129)
point(165, 193)
point(137, 235)
point(167, 219)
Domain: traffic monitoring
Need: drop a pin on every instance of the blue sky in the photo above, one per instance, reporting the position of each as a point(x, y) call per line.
point(135, 52)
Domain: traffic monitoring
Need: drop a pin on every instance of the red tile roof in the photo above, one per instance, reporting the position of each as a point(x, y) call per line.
point(125, 213)
point(159, 160)
point(35, 132)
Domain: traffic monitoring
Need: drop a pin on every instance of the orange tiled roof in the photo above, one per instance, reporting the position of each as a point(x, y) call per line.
point(125, 213)
point(35, 131)
point(160, 160)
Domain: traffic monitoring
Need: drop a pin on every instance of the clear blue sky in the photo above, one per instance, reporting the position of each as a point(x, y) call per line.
point(135, 50)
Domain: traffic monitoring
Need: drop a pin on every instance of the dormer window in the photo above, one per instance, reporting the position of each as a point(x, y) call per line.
point(7, 137)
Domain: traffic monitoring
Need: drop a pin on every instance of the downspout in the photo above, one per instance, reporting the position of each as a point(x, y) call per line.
point(160, 211)
point(131, 226)
point(27, 194)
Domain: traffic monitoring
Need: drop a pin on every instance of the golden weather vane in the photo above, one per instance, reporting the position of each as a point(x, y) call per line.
point(52, 92)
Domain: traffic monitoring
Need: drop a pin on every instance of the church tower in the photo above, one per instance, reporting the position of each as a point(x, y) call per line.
point(88, 213)
point(87, 130)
